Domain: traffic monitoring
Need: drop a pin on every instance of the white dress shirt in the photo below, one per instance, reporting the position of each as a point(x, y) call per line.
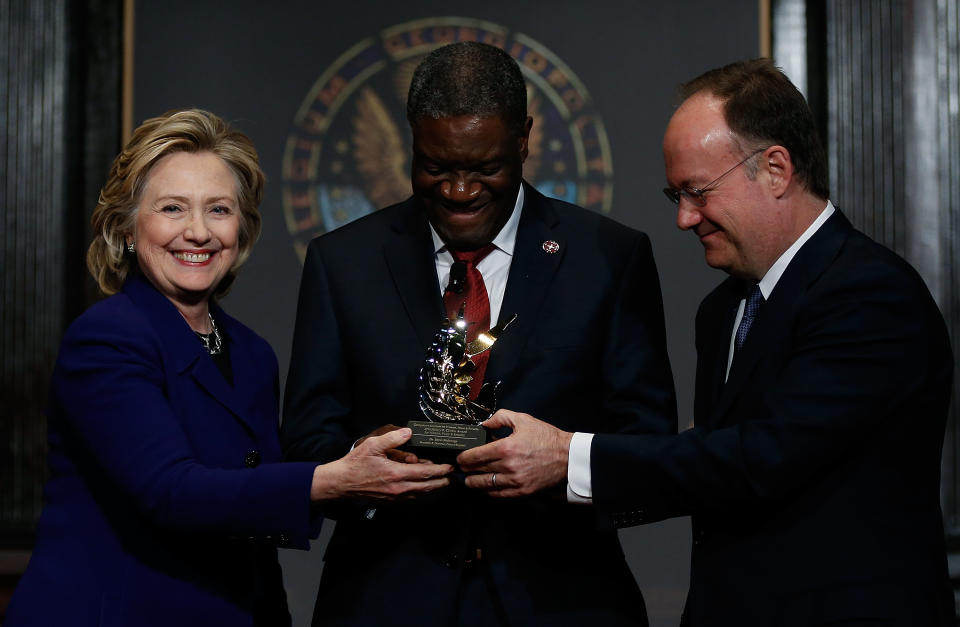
point(494, 268)
point(579, 477)
point(770, 279)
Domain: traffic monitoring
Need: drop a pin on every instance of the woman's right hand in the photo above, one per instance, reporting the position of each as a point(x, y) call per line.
point(368, 472)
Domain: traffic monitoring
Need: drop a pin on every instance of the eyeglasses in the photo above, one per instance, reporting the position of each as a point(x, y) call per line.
point(695, 194)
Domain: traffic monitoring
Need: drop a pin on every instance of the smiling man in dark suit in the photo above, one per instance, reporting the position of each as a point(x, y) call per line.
point(823, 378)
point(587, 352)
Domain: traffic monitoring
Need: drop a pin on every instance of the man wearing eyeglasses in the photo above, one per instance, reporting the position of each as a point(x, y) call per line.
point(823, 379)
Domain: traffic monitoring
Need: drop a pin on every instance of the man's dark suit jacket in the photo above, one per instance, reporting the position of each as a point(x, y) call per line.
point(587, 353)
point(813, 473)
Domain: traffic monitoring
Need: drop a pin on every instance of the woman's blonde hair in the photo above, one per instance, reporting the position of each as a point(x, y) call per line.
point(187, 130)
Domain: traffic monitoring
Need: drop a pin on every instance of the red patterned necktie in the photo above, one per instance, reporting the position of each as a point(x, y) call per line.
point(472, 295)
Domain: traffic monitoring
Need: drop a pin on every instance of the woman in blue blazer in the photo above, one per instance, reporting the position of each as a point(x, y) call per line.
point(166, 498)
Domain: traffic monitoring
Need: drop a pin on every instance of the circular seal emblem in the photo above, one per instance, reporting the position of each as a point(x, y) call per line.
point(348, 153)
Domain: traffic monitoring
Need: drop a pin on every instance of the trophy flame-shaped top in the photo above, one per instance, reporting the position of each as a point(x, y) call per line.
point(448, 370)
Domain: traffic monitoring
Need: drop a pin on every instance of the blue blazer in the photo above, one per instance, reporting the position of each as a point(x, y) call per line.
point(812, 473)
point(165, 501)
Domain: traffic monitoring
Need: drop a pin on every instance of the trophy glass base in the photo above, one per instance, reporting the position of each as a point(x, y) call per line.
point(443, 441)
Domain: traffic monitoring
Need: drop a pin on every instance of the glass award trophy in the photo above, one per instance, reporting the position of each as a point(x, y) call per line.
point(452, 418)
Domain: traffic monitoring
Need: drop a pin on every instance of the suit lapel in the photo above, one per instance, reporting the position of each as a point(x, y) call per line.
point(716, 326)
point(186, 353)
point(778, 312)
point(409, 257)
point(532, 270)
point(239, 398)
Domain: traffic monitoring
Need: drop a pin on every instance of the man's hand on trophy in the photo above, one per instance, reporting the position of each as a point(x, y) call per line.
point(530, 459)
point(367, 472)
point(395, 454)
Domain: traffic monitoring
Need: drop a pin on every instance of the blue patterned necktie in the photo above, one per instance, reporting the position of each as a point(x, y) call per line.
point(754, 300)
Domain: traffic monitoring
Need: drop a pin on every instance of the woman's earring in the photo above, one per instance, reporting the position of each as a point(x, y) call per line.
point(131, 247)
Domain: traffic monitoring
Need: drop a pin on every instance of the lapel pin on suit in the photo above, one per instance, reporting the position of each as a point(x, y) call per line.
point(551, 246)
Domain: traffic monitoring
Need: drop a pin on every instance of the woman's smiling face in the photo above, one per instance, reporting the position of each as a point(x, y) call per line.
point(188, 225)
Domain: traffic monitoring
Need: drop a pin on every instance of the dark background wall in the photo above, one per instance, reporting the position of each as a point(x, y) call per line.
point(881, 75)
point(254, 63)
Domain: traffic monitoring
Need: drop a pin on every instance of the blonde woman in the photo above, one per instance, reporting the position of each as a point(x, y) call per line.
point(167, 499)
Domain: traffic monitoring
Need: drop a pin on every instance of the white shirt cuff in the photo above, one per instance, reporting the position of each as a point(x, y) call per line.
point(579, 480)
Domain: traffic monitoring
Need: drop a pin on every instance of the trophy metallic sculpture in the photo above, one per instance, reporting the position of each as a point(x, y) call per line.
point(453, 419)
